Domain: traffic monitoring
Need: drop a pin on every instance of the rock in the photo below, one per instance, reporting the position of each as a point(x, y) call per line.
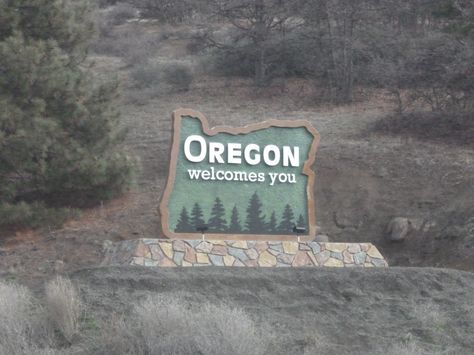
point(267, 259)
point(142, 250)
point(336, 255)
point(251, 263)
point(238, 253)
point(276, 247)
point(261, 246)
point(290, 247)
point(322, 257)
point(178, 257)
point(190, 255)
point(374, 253)
point(59, 266)
point(348, 258)
point(398, 229)
point(237, 262)
point(302, 259)
point(336, 247)
point(285, 258)
point(156, 252)
point(166, 262)
point(331, 262)
point(204, 247)
point(315, 247)
point(219, 250)
point(252, 254)
point(202, 258)
point(353, 248)
point(179, 245)
point(304, 246)
point(167, 248)
point(241, 244)
point(150, 262)
point(359, 258)
point(321, 238)
point(106, 245)
point(228, 260)
point(216, 260)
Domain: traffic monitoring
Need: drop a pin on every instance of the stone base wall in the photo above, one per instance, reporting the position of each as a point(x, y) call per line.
point(171, 253)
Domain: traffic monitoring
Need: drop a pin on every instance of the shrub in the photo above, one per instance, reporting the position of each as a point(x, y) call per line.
point(33, 215)
point(146, 76)
point(171, 11)
point(64, 307)
point(178, 75)
point(453, 128)
point(59, 126)
point(120, 13)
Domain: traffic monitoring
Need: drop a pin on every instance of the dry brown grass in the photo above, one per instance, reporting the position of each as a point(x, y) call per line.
point(64, 307)
point(22, 326)
point(169, 325)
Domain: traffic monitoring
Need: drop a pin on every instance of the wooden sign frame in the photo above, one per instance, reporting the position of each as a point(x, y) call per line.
point(177, 116)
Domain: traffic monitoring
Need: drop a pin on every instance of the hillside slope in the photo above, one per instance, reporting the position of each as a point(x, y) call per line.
point(339, 311)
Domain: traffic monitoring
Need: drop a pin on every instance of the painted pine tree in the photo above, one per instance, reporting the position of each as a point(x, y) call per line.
point(286, 224)
point(217, 221)
point(255, 222)
point(197, 216)
point(184, 224)
point(234, 226)
point(301, 222)
point(272, 224)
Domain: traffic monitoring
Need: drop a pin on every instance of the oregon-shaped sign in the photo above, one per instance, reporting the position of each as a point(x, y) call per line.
point(251, 182)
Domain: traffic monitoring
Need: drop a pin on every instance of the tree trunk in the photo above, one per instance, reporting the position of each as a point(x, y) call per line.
point(259, 40)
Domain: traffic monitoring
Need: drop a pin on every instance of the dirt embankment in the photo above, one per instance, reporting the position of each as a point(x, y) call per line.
point(343, 311)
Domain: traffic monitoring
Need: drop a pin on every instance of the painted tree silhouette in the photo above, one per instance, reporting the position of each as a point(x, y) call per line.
point(234, 226)
point(286, 223)
point(255, 222)
point(301, 222)
point(217, 221)
point(272, 224)
point(197, 216)
point(184, 225)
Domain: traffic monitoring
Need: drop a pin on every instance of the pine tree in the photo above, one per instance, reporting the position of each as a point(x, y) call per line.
point(272, 224)
point(217, 221)
point(184, 225)
point(286, 224)
point(255, 222)
point(301, 222)
point(235, 226)
point(197, 216)
point(58, 124)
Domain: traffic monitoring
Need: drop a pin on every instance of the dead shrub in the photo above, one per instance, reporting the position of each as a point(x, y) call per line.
point(64, 307)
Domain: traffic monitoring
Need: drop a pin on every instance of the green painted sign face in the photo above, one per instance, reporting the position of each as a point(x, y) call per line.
point(239, 182)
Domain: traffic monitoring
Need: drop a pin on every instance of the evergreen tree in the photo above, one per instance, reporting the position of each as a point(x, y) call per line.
point(301, 222)
point(286, 223)
point(197, 216)
point(184, 225)
point(255, 222)
point(234, 226)
point(272, 224)
point(217, 222)
point(58, 125)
